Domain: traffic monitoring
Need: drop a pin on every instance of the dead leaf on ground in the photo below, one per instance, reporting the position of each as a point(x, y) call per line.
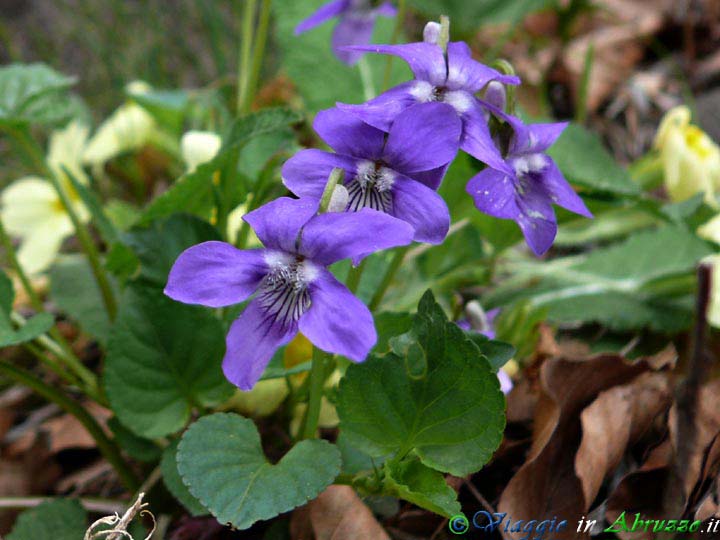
point(616, 418)
point(337, 514)
point(67, 432)
point(547, 484)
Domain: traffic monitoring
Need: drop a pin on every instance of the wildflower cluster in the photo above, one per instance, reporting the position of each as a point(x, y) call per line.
point(394, 151)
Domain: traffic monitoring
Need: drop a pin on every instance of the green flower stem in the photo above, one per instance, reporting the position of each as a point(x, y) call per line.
point(355, 275)
point(83, 235)
point(60, 347)
point(366, 79)
point(244, 67)
point(395, 265)
point(317, 382)
point(71, 361)
point(105, 445)
point(258, 51)
point(52, 364)
point(393, 40)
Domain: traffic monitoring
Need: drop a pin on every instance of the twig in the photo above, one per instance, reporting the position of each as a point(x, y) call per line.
point(687, 398)
point(100, 506)
point(482, 500)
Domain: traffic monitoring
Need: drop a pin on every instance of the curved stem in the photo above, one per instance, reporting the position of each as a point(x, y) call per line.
point(70, 360)
point(53, 365)
point(106, 446)
point(246, 40)
point(354, 276)
point(395, 265)
point(317, 382)
point(83, 236)
point(366, 79)
point(258, 51)
point(61, 347)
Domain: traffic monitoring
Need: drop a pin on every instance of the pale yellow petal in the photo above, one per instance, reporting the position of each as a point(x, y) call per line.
point(710, 230)
point(66, 150)
point(714, 310)
point(264, 398)
point(28, 202)
point(130, 127)
point(39, 249)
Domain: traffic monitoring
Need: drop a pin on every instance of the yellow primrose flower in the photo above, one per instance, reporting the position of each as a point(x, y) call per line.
point(129, 128)
point(31, 208)
point(198, 147)
point(690, 159)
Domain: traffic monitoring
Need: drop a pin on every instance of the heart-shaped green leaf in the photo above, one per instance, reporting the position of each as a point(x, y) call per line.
point(171, 477)
point(163, 359)
point(447, 408)
point(221, 460)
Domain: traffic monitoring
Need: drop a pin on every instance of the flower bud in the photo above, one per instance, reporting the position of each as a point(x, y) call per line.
point(198, 147)
point(496, 95)
point(339, 199)
point(431, 33)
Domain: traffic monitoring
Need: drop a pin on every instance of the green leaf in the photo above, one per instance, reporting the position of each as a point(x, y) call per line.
point(644, 281)
point(136, 447)
point(158, 245)
point(171, 477)
point(74, 290)
point(451, 414)
point(388, 326)
point(61, 519)
point(308, 59)
point(168, 107)
point(163, 360)
point(33, 327)
point(585, 162)
point(496, 352)
point(414, 482)
point(33, 94)
point(194, 192)
point(221, 460)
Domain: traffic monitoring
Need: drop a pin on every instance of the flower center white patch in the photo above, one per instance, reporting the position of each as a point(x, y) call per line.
point(371, 188)
point(423, 92)
point(283, 293)
point(459, 100)
point(529, 164)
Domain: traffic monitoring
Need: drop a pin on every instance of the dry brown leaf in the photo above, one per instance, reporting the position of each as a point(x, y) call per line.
point(615, 419)
point(547, 485)
point(337, 514)
point(642, 491)
point(67, 432)
point(707, 427)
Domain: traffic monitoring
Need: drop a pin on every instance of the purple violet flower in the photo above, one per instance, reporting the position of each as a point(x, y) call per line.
point(355, 27)
point(396, 173)
point(294, 291)
point(454, 79)
point(526, 184)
